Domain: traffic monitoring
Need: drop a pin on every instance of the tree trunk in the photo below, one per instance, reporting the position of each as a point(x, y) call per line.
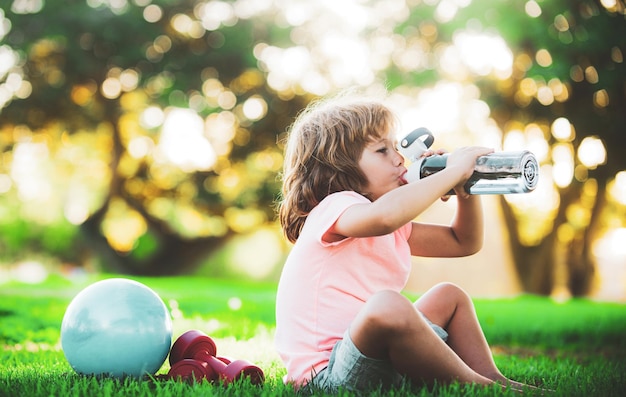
point(580, 262)
point(174, 254)
point(535, 265)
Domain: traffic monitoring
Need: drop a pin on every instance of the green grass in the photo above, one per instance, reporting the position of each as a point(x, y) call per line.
point(577, 348)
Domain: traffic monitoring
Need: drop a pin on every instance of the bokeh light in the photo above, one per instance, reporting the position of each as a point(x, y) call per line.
point(563, 168)
point(183, 143)
point(591, 152)
point(618, 188)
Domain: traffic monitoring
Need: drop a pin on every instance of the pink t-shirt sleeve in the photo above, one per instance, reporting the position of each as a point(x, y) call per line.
point(324, 284)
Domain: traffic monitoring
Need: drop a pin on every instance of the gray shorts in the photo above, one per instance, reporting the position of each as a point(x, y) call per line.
point(349, 369)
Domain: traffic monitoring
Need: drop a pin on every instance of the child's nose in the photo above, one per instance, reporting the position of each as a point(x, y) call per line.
point(399, 160)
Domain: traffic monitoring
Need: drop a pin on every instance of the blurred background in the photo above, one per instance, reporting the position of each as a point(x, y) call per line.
point(144, 137)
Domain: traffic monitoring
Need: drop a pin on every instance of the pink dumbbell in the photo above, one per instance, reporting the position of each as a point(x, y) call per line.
point(193, 357)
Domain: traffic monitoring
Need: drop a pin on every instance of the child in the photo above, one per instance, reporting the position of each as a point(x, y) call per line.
point(341, 321)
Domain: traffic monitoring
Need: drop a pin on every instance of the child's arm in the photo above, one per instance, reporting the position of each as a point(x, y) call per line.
point(403, 204)
point(464, 235)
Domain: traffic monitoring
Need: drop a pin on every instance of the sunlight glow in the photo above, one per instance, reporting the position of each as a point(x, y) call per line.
point(616, 55)
point(528, 87)
point(563, 130)
point(183, 142)
point(350, 60)
point(5, 25)
point(609, 4)
point(601, 98)
point(235, 303)
point(244, 220)
point(257, 253)
point(8, 61)
point(351, 42)
point(545, 96)
point(559, 90)
point(447, 9)
point(533, 9)
point(532, 139)
point(286, 67)
point(27, 6)
point(220, 129)
point(30, 272)
point(563, 169)
point(612, 244)
point(111, 88)
point(482, 53)
point(75, 212)
point(437, 108)
point(129, 79)
point(226, 100)
point(513, 140)
point(246, 9)
point(152, 13)
point(215, 13)
point(617, 188)
point(122, 226)
point(152, 117)
point(255, 108)
point(561, 23)
point(28, 171)
point(536, 142)
point(191, 222)
point(116, 6)
point(13, 82)
point(336, 44)
point(5, 183)
point(140, 146)
point(343, 60)
point(181, 23)
point(543, 58)
point(591, 75)
point(592, 152)
point(358, 13)
point(541, 203)
point(408, 54)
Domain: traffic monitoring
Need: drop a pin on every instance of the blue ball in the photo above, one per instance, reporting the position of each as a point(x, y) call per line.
point(116, 327)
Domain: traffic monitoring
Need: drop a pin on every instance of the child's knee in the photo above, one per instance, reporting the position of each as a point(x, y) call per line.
point(454, 292)
point(389, 300)
point(391, 310)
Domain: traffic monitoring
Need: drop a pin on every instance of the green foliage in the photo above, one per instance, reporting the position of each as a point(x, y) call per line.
point(21, 237)
point(569, 325)
point(145, 246)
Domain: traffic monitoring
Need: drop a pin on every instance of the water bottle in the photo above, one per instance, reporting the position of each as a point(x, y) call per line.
point(495, 173)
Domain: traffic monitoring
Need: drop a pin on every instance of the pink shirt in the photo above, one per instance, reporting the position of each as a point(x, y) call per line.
point(324, 285)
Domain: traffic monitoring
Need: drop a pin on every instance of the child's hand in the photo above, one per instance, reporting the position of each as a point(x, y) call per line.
point(431, 152)
point(465, 160)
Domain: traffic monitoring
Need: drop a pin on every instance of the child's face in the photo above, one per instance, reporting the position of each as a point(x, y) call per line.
point(383, 166)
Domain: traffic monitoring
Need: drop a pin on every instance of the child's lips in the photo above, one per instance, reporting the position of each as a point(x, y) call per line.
point(403, 179)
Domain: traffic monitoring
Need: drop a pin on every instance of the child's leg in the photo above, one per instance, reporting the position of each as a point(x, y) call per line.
point(390, 327)
point(451, 308)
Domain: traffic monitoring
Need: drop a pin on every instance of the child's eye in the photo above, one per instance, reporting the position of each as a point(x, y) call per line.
point(383, 150)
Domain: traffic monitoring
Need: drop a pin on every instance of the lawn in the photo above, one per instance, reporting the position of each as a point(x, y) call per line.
point(577, 347)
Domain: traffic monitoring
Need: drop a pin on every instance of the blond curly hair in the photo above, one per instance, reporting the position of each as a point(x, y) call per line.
point(323, 149)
